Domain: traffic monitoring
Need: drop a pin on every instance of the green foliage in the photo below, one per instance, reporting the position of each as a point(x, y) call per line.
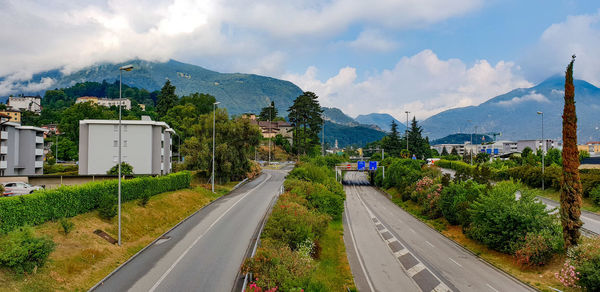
point(107, 207)
point(537, 249)
point(583, 155)
point(590, 178)
point(327, 200)
point(305, 115)
point(482, 157)
point(22, 252)
point(268, 113)
point(399, 173)
point(60, 168)
point(585, 257)
point(456, 200)
point(144, 198)
point(167, 99)
point(283, 143)
point(500, 221)
point(66, 225)
point(417, 145)
point(392, 144)
point(595, 195)
point(427, 194)
point(68, 201)
point(126, 169)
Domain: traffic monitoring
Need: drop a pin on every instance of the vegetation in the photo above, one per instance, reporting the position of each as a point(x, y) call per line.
point(22, 252)
point(268, 113)
point(461, 138)
point(305, 116)
point(126, 169)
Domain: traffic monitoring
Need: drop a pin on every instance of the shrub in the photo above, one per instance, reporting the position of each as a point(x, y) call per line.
point(537, 249)
point(68, 201)
point(126, 169)
point(144, 198)
point(590, 178)
point(329, 200)
point(401, 173)
point(427, 194)
point(21, 251)
point(568, 276)
point(456, 199)
point(311, 172)
point(499, 220)
point(107, 208)
point(585, 257)
point(66, 225)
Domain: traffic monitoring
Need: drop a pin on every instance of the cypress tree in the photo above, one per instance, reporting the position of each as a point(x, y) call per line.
point(444, 151)
point(570, 187)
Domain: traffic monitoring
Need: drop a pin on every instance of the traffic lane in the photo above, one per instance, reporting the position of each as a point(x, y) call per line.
point(372, 263)
point(591, 221)
point(147, 263)
point(465, 271)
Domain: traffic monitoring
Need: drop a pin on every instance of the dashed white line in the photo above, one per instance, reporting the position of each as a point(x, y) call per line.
point(429, 243)
point(412, 230)
point(492, 287)
point(362, 266)
point(415, 269)
point(455, 262)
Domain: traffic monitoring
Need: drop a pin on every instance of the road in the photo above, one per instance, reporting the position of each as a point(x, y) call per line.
point(390, 250)
point(591, 221)
point(205, 252)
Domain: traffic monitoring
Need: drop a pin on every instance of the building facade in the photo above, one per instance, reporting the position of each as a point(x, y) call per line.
point(499, 147)
point(21, 149)
point(25, 103)
point(107, 102)
point(146, 145)
point(13, 115)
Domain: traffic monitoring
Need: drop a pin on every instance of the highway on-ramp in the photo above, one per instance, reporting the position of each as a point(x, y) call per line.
point(205, 252)
point(390, 250)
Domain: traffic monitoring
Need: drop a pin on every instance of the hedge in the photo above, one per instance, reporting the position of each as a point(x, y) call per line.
point(68, 201)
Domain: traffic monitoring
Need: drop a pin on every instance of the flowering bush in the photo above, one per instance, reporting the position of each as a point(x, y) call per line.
point(585, 258)
point(567, 275)
point(427, 194)
point(534, 251)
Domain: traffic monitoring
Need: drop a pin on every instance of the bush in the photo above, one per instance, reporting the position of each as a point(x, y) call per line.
point(500, 221)
point(311, 172)
point(427, 194)
point(327, 198)
point(456, 199)
point(68, 201)
point(66, 225)
point(537, 249)
point(590, 178)
point(22, 252)
point(585, 258)
point(126, 169)
point(145, 197)
point(400, 173)
point(107, 208)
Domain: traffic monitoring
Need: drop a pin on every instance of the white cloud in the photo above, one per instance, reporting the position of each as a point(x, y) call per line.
point(422, 84)
point(532, 96)
point(373, 40)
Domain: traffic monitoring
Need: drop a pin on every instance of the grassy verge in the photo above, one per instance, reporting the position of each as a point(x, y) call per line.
point(540, 277)
point(81, 258)
point(333, 269)
point(587, 203)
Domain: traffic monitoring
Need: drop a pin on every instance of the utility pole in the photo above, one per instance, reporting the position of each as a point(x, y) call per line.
point(407, 129)
point(121, 69)
point(213, 150)
point(543, 148)
point(270, 132)
point(323, 140)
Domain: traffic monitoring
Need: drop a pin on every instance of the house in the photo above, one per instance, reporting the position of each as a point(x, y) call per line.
point(21, 149)
point(270, 129)
point(146, 145)
point(13, 115)
point(107, 102)
point(25, 103)
point(591, 147)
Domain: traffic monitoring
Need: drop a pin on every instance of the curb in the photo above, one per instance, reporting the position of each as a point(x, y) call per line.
point(101, 282)
point(460, 246)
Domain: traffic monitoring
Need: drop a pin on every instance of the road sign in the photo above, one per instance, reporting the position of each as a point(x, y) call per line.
point(372, 165)
point(360, 165)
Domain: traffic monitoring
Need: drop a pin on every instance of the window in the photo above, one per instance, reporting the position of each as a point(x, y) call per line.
point(124, 143)
point(125, 128)
point(116, 127)
point(116, 143)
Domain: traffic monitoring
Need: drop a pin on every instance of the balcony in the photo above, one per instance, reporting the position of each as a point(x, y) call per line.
point(3, 135)
point(39, 140)
point(3, 149)
point(162, 137)
point(39, 164)
point(39, 152)
point(162, 151)
point(3, 164)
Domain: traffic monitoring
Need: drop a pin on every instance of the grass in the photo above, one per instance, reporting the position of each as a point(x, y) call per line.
point(540, 277)
point(333, 269)
point(587, 203)
point(81, 258)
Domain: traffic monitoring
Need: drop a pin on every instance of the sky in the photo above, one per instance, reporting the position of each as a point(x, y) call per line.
point(385, 56)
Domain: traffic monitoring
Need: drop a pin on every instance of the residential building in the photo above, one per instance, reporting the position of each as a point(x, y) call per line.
point(146, 145)
point(13, 115)
point(499, 147)
point(270, 129)
point(25, 103)
point(107, 102)
point(538, 144)
point(21, 149)
point(591, 147)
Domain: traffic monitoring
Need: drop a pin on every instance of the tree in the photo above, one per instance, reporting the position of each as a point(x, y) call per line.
point(126, 169)
point(201, 101)
point(482, 157)
point(553, 156)
point(444, 151)
point(392, 144)
point(166, 99)
point(305, 116)
point(570, 187)
point(417, 145)
point(454, 152)
point(268, 113)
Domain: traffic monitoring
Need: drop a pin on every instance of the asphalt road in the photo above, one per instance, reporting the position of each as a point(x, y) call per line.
point(205, 252)
point(390, 250)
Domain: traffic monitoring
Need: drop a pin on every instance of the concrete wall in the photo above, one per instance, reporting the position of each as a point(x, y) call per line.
point(83, 148)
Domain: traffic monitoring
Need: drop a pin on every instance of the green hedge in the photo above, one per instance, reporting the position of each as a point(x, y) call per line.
point(68, 201)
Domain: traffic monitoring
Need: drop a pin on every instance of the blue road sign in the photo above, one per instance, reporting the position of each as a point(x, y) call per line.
point(489, 151)
point(360, 165)
point(372, 165)
point(496, 151)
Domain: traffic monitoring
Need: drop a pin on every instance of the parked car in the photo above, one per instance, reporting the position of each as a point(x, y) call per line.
point(19, 188)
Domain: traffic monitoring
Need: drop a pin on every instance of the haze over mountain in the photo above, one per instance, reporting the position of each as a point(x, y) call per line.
point(383, 121)
point(239, 93)
point(514, 114)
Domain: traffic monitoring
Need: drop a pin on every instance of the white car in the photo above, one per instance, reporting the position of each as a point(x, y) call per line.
point(19, 188)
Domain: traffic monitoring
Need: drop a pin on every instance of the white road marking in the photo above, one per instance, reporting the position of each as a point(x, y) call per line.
point(492, 287)
point(401, 252)
point(429, 243)
point(441, 287)
point(415, 269)
point(412, 230)
point(202, 235)
point(362, 265)
point(455, 262)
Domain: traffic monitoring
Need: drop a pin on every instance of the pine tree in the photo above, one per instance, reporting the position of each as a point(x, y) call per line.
point(166, 99)
point(417, 145)
point(305, 115)
point(570, 189)
point(454, 151)
point(268, 113)
point(444, 151)
point(392, 145)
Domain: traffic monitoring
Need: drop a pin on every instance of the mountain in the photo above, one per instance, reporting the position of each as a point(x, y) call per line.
point(350, 135)
point(462, 138)
point(336, 115)
point(383, 121)
point(514, 114)
point(239, 93)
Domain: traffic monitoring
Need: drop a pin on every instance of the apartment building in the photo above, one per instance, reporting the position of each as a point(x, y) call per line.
point(146, 145)
point(21, 149)
point(498, 147)
point(25, 103)
point(107, 102)
point(12, 115)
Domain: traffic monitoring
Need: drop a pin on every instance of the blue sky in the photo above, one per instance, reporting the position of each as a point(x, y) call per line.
point(388, 56)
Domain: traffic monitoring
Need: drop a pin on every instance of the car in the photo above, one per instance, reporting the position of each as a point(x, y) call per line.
point(19, 188)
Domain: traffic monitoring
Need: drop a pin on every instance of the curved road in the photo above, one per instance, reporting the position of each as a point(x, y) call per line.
point(205, 252)
point(390, 250)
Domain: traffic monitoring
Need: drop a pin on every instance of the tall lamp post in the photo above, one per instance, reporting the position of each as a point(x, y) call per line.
point(213, 158)
point(543, 148)
point(406, 132)
point(124, 68)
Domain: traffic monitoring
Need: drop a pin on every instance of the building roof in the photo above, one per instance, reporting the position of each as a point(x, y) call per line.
point(125, 122)
point(18, 126)
point(592, 142)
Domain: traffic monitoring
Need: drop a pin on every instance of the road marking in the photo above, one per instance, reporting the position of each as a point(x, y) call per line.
point(429, 243)
point(202, 235)
point(492, 287)
point(412, 230)
point(362, 266)
point(401, 252)
point(455, 262)
point(415, 269)
point(441, 288)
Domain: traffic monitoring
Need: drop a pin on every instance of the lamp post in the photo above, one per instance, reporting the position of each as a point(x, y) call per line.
point(406, 129)
point(543, 148)
point(213, 156)
point(124, 68)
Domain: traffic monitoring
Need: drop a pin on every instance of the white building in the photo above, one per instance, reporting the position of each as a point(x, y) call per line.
point(21, 149)
point(107, 102)
point(146, 145)
point(26, 103)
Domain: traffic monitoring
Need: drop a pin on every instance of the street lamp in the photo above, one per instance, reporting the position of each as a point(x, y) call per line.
point(543, 148)
point(124, 68)
point(406, 129)
point(213, 156)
